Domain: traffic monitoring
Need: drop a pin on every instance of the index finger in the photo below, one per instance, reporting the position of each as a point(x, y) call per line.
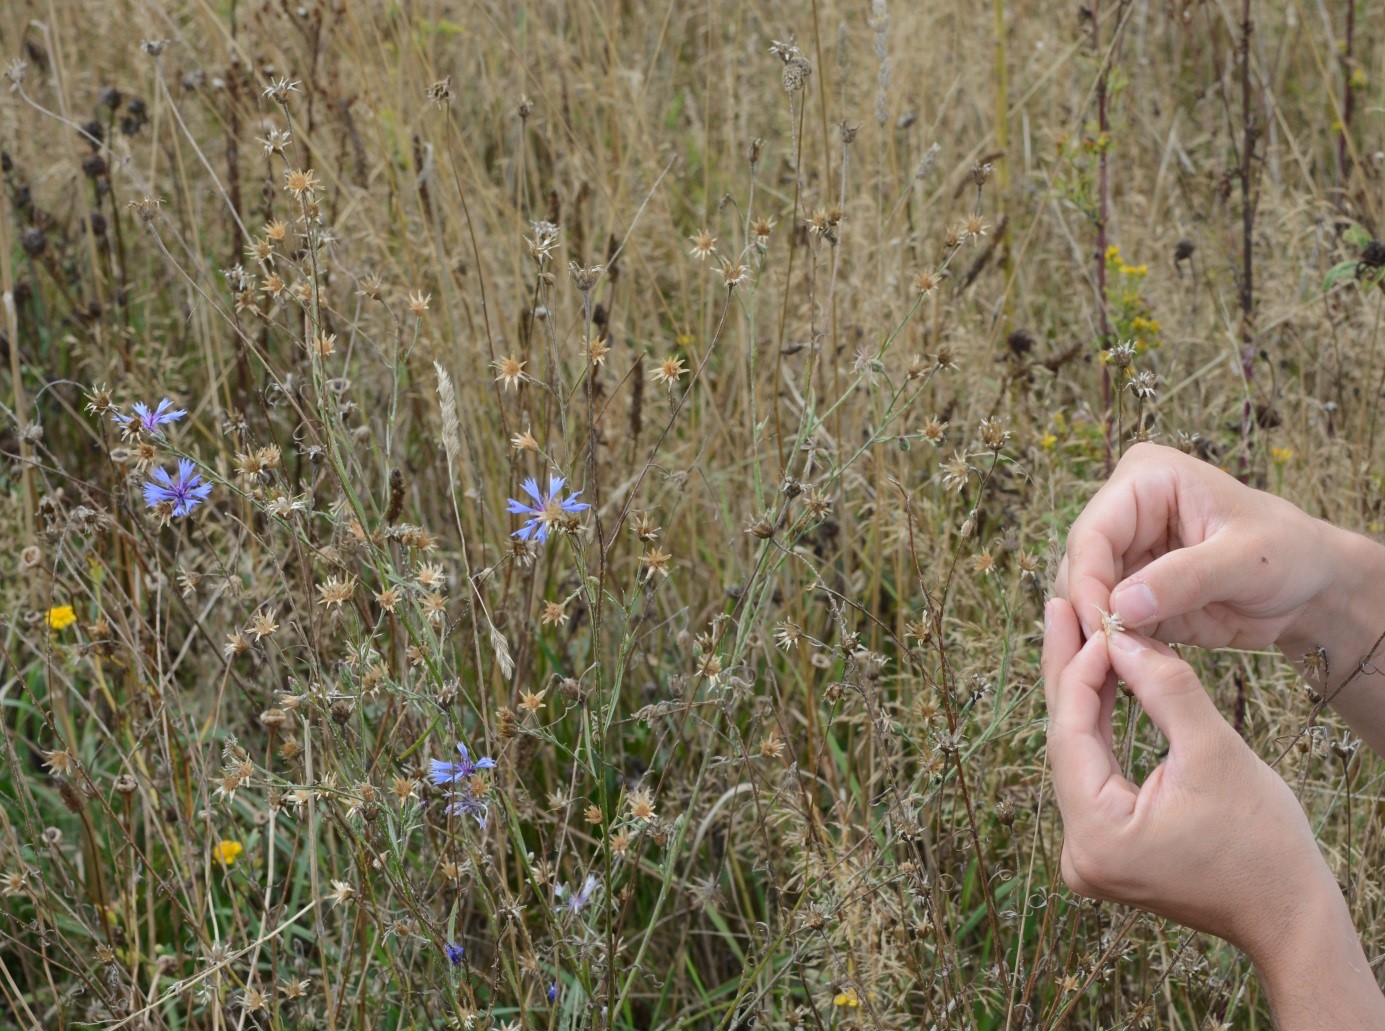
point(1129, 513)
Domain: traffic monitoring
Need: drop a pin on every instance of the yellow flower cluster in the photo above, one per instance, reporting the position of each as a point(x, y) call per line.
point(62, 617)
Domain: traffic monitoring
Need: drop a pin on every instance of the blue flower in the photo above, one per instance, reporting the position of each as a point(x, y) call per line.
point(445, 772)
point(553, 991)
point(464, 803)
point(454, 953)
point(150, 421)
point(576, 901)
point(546, 510)
point(186, 492)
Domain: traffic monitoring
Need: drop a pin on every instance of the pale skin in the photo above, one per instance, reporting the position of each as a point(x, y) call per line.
point(1213, 838)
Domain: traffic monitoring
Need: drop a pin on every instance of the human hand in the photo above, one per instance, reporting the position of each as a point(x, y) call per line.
point(1177, 547)
point(1213, 838)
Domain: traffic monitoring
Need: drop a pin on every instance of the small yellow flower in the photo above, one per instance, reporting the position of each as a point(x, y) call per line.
point(227, 852)
point(61, 617)
point(847, 998)
point(1281, 455)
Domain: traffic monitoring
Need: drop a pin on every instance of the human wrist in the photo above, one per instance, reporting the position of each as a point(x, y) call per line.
point(1351, 592)
point(1319, 958)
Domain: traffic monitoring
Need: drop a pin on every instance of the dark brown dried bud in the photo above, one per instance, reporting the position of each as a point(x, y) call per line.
point(72, 798)
point(342, 709)
point(1005, 812)
point(507, 726)
point(126, 784)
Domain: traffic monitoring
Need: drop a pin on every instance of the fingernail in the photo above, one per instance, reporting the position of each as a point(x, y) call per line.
point(1128, 643)
point(1134, 603)
point(1048, 614)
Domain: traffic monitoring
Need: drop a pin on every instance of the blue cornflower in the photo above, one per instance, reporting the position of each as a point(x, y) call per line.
point(546, 510)
point(186, 492)
point(464, 803)
point(149, 421)
point(445, 772)
point(576, 901)
point(454, 953)
point(553, 991)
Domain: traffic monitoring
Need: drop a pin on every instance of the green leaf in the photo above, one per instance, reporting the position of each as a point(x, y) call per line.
point(1339, 272)
point(1357, 237)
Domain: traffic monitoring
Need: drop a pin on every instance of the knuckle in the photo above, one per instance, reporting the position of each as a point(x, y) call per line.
point(1082, 872)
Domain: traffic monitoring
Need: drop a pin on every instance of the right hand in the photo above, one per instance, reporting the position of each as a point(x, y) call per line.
point(1189, 554)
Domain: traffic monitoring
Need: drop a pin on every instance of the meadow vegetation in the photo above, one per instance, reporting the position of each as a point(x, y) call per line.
point(679, 407)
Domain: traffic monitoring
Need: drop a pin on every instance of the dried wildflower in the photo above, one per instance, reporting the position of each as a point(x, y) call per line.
point(341, 893)
point(704, 245)
point(543, 241)
point(532, 701)
point(927, 281)
point(772, 747)
point(733, 273)
point(956, 472)
point(975, 227)
point(325, 345)
point(59, 761)
point(435, 607)
point(933, 431)
point(183, 494)
point(440, 92)
point(1142, 386)
point(278, 90)
point(236, 644)
point(1110, 623)
point(641, 805)
point(524, 441)
point(387, 598)
point(592, 814)
point(430, 577)
point(797, 71)
point(787, 634)
point(584, 278)
point(655, 562)
point(275, 141)
point(418, 303)
point(336, 591)
point(760, 231)
point(575, 901)
point(554, 614)
point(1122, 355)
point(301, 183)
point(61, 617)
point(642, 525)
point(546, 510)
point(263, 625)
point(148, 421)
point(595, 349)
point(669, 370)
point(153, 47)
point(15, 72)
point(994, 434)
point(983, 564)
point(510, 370)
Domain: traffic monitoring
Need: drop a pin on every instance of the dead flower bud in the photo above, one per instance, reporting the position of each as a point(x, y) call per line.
point(554, 614)
point(301, 183)
point(509, 370)
point(532, 702)
point(524, 442)
point(762, 527)
point(592, 814)
point(641, 804)
point(655, 562)
point(994, 434)
point(669, 370)
point(584, 278)
point(595, 349)
point(440, 92)
point(704, 245)
point(418, 303)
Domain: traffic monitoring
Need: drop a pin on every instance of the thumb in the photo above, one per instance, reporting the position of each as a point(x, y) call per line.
point(1183, 580)
point(1168, 689)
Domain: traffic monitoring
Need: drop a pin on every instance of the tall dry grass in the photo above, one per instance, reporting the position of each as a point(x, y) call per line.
point(878, 293)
